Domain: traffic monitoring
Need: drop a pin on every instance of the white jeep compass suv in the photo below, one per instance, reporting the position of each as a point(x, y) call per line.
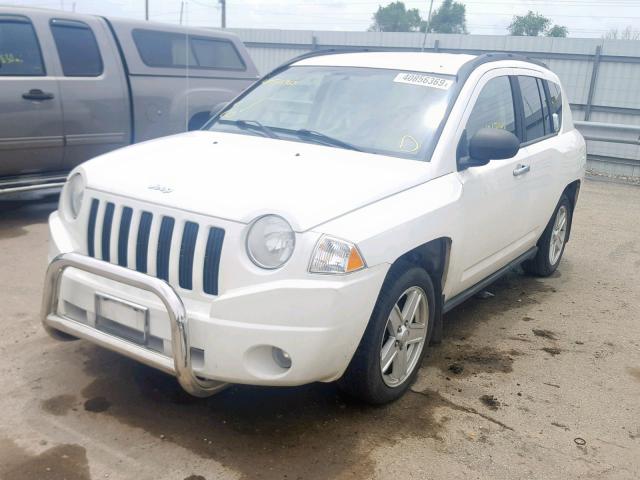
point(318, 227)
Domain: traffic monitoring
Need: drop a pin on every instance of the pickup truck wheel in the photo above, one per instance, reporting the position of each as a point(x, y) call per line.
point(551, 244)
point(395, 341)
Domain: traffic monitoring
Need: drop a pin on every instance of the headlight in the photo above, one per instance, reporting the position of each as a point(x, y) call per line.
point(270, 241)
point(333, 255)
point(74, 191)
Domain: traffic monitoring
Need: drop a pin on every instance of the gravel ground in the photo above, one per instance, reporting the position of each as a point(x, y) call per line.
point(541, 380)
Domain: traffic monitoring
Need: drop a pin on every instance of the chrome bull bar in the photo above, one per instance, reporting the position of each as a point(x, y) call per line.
point(180, 366)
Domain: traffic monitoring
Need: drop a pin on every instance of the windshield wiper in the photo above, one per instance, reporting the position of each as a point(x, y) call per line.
point(252, 125)
point(321, 138)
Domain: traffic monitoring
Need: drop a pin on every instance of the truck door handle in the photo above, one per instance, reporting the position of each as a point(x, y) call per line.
point(37, 94)
point(521, 170)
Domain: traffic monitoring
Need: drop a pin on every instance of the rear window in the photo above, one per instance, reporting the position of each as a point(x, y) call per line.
point(77, 48)
point(555, 101)
point(176, 50)
point(19, 49)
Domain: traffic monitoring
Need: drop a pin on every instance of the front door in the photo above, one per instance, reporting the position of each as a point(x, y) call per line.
point(31, 132)
point(496, 197)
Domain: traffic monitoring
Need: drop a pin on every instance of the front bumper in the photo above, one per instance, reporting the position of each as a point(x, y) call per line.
point(318, 320)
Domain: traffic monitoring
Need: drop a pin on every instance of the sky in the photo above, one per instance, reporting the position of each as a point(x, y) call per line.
point(584, 18)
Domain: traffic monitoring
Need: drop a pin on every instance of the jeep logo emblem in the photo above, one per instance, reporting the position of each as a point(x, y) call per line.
point(160, 188)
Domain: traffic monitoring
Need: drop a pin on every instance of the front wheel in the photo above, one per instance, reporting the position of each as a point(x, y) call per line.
point(394, 343)
point(551, 244)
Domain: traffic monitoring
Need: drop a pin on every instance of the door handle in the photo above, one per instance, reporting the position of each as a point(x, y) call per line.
point(37, 94)
point(521, 170)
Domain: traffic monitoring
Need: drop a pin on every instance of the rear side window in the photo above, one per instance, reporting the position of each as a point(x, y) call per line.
point(493, 109)
point(19, 48)
point(532, 95)
point(555, 101)
point(77, 48)
point(218, 54)
point(176, 50)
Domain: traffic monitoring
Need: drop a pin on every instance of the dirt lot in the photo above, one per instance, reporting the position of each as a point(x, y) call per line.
point(540, 381)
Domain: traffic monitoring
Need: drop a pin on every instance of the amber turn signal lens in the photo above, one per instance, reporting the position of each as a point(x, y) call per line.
point(355, 260)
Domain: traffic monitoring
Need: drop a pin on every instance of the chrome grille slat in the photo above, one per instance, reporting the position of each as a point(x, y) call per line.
point(133, 238)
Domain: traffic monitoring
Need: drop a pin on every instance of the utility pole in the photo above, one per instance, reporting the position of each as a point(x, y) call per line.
point(181, 11)
point(223, 13)
point(426, 30)
point(146, 10)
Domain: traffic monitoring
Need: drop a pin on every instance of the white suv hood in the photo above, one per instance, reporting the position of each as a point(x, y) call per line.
point(239, 177)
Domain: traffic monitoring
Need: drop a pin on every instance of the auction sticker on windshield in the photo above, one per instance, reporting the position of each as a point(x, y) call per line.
point(423, 80)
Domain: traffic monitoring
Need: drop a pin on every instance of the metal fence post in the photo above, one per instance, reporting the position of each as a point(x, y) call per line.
point(592, 84)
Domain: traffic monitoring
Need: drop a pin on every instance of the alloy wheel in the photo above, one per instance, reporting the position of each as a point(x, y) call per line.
point(404, 337)
point(558, 235)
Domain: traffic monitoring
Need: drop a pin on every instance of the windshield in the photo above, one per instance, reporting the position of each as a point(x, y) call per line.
point(383, 111)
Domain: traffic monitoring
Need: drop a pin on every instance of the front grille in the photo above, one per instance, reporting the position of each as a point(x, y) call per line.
point(102, 222)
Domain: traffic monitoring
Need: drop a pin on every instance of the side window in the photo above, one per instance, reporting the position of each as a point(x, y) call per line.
point(77, 48)
point(19, 48)
point(555, 100)
point(532, 102)
point(493, 109)
point(170, 50)
point(218, 54)
point(163, 49)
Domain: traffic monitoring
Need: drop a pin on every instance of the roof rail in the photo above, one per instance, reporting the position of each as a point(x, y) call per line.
point(497, 56)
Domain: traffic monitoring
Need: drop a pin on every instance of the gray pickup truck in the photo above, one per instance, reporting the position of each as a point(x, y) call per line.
point(75, 86)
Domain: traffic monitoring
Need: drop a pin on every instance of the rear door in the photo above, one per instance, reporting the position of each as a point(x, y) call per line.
point(546, 149)
point(31, 136)
point(96, 100)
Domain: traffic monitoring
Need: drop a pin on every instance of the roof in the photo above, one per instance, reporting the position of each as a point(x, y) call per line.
point(443, 63)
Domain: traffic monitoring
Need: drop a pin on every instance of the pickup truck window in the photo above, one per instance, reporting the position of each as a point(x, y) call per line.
point(19, 48)
point(77, 48)
point(169, 50)
point(532, 95)
point(375, 110)
point(493, 109)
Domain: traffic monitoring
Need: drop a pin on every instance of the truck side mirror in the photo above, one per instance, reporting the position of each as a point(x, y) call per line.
point(491, 144)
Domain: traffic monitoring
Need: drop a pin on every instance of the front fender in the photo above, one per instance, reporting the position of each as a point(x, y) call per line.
point(392, 226)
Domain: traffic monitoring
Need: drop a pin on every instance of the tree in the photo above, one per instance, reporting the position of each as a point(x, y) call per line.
point(530, 25)
point(629, 33)
point(396, 18)
point(533, 24)
point(557, 31)
point(449, 18)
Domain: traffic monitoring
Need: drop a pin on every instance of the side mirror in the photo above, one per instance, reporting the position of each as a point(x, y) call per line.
point(491, 144)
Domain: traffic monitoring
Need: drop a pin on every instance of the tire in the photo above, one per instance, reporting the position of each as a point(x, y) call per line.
point(364, 378)
point(552, 242)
